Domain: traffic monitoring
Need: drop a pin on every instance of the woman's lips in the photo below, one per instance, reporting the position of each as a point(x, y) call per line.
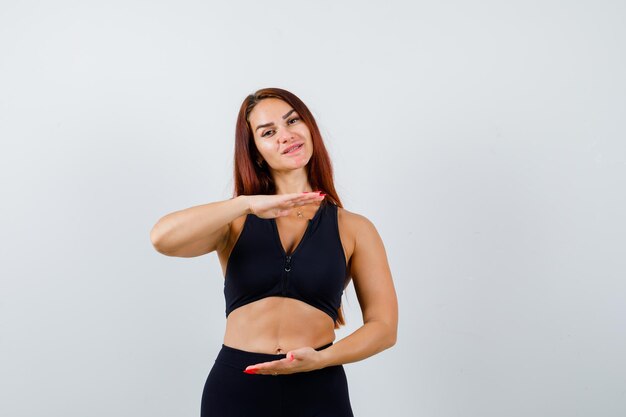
point(295, 150)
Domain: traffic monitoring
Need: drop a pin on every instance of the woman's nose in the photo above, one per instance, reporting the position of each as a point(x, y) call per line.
point(285, 135)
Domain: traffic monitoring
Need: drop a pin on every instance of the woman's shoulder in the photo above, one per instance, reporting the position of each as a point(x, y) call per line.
point(355, 225)
point(351, 218)
point(357, 231)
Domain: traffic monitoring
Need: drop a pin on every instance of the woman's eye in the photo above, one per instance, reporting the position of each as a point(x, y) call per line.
point(289, 121)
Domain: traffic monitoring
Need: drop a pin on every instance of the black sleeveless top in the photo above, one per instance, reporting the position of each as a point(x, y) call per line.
point(315, 272)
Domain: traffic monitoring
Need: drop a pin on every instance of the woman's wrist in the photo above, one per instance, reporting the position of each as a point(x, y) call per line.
point(244, 202)
point(325, 358)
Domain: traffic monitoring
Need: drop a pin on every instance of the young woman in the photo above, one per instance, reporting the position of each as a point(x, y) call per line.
point(288, 249)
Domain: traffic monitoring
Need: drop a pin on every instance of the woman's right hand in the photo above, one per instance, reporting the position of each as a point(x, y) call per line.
point(278, 205)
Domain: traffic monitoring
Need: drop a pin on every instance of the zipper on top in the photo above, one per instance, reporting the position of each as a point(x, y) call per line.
point(288, 263)
point(287, 270)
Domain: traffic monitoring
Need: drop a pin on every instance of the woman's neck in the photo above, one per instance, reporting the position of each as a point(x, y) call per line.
point(291, 182)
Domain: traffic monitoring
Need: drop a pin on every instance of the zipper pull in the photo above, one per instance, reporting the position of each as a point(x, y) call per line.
point(288, 264)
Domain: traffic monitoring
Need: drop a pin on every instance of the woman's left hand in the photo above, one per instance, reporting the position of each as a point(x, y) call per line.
point(299, 360)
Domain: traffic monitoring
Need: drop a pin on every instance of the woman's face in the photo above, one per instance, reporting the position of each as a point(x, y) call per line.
point(277, 128)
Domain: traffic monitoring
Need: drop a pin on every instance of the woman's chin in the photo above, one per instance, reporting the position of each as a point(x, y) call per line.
point(290, 168)
point(295, 163)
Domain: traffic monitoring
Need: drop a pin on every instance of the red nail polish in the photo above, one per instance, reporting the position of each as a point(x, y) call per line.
point(251, 371)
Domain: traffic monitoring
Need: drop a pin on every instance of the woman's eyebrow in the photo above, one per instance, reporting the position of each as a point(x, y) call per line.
point(271, 123)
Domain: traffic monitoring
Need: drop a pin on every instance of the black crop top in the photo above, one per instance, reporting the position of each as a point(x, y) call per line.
point(315, 272)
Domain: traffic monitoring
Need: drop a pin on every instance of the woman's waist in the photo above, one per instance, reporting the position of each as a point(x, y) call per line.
point(276, 329)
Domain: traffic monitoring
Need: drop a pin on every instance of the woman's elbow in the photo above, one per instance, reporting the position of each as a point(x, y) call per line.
point(388, 334)
point(156, 238)
point(392, 338)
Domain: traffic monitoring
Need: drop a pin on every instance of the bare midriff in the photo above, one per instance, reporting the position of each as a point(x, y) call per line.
point(277, 325)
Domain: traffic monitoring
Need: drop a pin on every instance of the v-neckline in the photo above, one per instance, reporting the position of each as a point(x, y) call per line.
point(306, 231)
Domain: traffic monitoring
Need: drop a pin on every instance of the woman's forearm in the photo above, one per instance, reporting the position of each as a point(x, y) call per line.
point(175, 230)
point(371, 338)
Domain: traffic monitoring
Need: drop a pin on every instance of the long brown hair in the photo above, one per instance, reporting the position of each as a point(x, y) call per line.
point(251, 179)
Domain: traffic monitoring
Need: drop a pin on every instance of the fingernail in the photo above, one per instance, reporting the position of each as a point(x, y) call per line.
point(251, 371)
point(322, 194)
point(292, 356)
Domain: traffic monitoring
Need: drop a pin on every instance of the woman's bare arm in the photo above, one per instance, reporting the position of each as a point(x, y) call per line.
point(377, 297)
point(197, 230)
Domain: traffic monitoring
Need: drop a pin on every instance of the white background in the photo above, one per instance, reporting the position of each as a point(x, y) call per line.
point(485, 140)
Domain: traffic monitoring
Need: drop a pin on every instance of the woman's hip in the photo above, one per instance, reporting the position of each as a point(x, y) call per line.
point(230, 391)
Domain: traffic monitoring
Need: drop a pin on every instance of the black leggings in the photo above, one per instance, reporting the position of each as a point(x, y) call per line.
point(229, 392)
